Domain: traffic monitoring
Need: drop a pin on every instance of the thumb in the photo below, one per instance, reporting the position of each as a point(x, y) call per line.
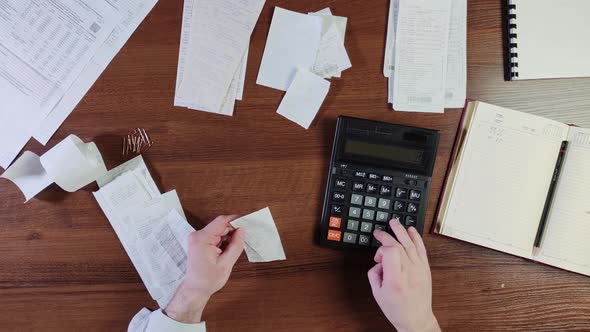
point(234, 248)
point(376, 277)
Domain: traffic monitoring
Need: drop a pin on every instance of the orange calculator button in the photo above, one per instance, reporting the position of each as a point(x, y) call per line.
point(335, 222)
point(334, 235)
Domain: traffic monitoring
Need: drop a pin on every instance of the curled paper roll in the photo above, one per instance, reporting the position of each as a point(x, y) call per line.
point(71, 164)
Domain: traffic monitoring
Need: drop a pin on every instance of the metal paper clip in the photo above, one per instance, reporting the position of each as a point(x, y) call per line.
point(136, 142)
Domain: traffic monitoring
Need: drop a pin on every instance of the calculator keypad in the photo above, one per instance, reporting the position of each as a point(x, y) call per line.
point(362, 202)
point(370, 201)
point(356, 199)
point(354, 212)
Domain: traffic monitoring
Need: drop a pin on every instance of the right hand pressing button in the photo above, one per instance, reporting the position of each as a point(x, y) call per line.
point(401, 280)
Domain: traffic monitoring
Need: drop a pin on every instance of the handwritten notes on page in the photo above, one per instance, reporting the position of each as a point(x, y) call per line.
point(304, 98)
point(425, 56)
point(215, 37)
point(133, 12)
point(72, 164)
point(492, 157)
point(151, 227)
point(263, 243)
point(45, 45)
point(565, 242)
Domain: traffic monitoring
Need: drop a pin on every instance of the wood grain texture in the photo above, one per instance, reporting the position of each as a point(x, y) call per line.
point(62, 267)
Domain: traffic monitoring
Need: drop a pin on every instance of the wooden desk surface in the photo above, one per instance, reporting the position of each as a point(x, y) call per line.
point(63, 268)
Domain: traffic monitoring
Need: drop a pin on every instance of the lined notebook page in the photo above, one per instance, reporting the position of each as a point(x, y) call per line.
point(503, 179)
point(566, 243)
point(552, 38)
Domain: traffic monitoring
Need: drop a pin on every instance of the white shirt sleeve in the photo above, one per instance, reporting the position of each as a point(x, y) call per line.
point(157, 321)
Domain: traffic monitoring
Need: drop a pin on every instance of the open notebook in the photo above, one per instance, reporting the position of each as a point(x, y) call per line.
point(548, 39)
point(498, 183)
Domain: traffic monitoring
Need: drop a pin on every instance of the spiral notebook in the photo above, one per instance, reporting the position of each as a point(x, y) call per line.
point(548, 39)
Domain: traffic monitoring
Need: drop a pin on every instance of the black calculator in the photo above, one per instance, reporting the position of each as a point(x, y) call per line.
point(378, 172)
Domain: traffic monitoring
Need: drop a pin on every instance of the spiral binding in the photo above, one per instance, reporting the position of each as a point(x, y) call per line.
point(512, 35)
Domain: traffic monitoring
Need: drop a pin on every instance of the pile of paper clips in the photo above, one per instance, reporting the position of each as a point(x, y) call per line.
point(136, 142)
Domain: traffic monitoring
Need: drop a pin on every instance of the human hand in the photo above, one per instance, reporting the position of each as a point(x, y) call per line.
point(208, 269)
point(401, 280)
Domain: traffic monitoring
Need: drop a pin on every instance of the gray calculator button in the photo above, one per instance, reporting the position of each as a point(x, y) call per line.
point(368, 214)
point(384, 204)
point(354, 212)
point(356, 199)
point(352, 225)
point(350, 238)
point(370, 201)
point(415, 195)
point(364, 240)
point(382, 216)
point(366, 227)
point(380, 227)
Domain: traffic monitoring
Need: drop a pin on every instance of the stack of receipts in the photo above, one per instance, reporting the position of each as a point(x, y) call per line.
point(51, 53)
point(301, 52)
point(213, 55)
point(426, 55)
point(151, 226)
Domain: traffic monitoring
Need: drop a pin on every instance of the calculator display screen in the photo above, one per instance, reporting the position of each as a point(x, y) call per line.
point(384, 152)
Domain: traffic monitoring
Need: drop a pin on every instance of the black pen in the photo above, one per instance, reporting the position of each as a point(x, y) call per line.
point(551, 193)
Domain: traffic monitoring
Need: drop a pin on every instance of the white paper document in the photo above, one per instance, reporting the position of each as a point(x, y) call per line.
point(293, 42)
point(29, 175)
point(136, 165)
point(304, 98)
point(214, 46)
point(455, 77)
point(235, 91)
point(133, 12)
point(44, 46)
point(72, 164)
point(421, 46)
point(456, 82)
point(263, 243)
point(332, 58)
point(328, 20)
point(152, 227)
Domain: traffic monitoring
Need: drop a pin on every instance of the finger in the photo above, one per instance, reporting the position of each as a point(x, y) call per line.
point(419, 243)
point(223, 239)
point(234, 248)
point(392, 263)
point(203, 237)
point(375, 275)
point(379, 253)
point(220, 226)
point(402, 236)
point(385, 238)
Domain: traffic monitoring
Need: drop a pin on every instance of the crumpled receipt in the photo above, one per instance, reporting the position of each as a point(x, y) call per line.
point(263, 243)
